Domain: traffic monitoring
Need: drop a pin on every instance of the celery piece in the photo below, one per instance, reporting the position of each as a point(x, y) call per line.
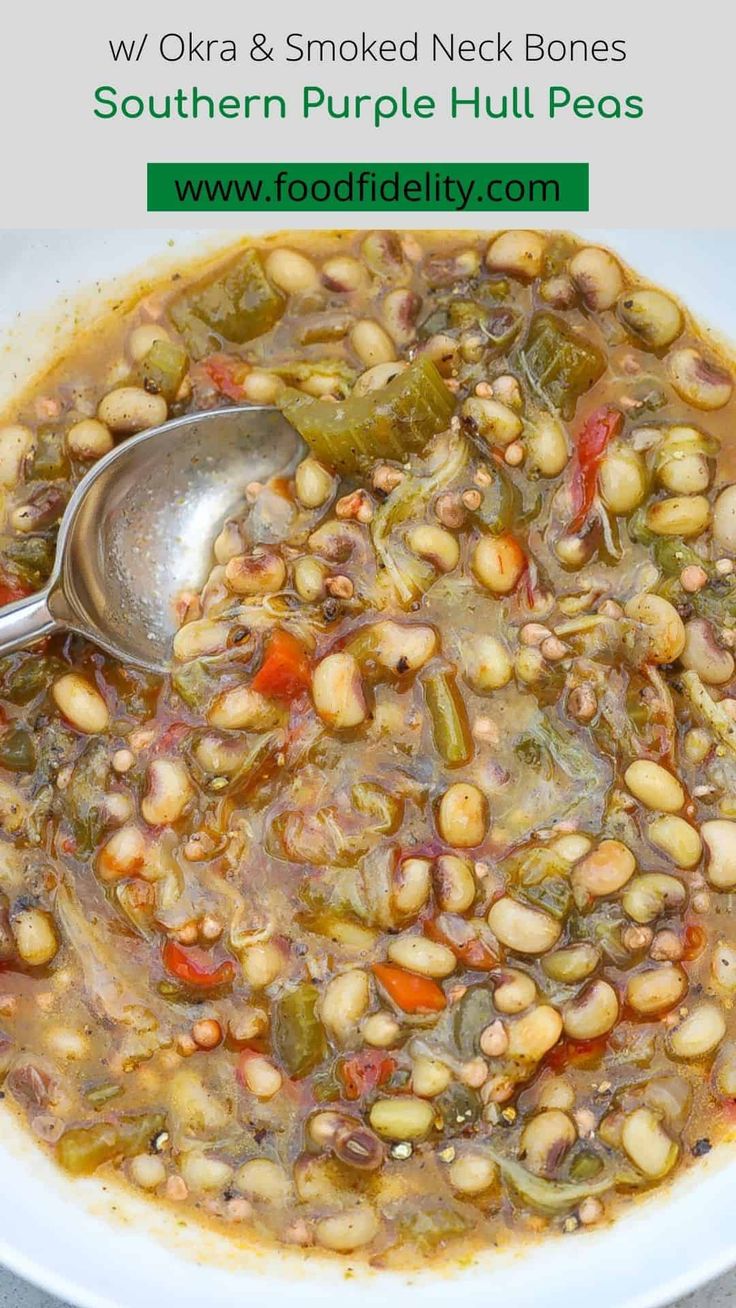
point(236, 306)
point(82, 1149)
point(560, 364)
point(390, 423)
point(164, 369)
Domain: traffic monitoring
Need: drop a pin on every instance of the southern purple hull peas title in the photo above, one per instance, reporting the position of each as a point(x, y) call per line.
point(318, 103)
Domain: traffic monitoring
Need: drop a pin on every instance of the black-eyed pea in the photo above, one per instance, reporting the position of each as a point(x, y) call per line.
point(663, 626)
point(592, 1013)
point(682, 465)
point(35, 935)
point(263, 1180)
point(462, 818)
point(262, 572)
point(17, 444)
point(546, 445)
point(572, 846)
point(557, 1092)
point(652, 316)
point(381, 1030)
point(679, 515)
point(429, 1077)
point(559, 291)
point(262, 964)
point(443, 350)
point(168, 791)
point(723, 965)
point(530, 666)
point(141, 339)
point(698, 1034)
point(647, 1143)
point(498, 563)
point(523, 928)
point(454, 882)
point(313, 483)
point(494, 1040)
point(427, 957)
point(724, 520)
point(261, 387)
point(291, 271)
point(519, 253)
point(309, 578)
point(724, 1073)
point(438, 546)
point(622, 480)
point(486, 662)
point(494, 421)
point(702, 653)
point(657, 989)
point(243, 709)
point(124, 854)
point(261, 1077)
point(147, 1171)
point(699, 381)
point(676, 838)
point(654, 786)
point(546, 1139)
point(399, 311)
point(344, 1002)
point(719, 837)
point(337, 690)
point(403, 647)
point(572, 963)
point(410, 887)
point(81, 704)
point(344, 274)
point(514, 992)
point(597, 276)
point(352, 1229)
point(372, 343)
point(197, 639)
point(129, 409)
point(533, 1035)
point(403, 1117)
point(472, 1172)
point(202, 1174)
point(648, 896)
point(603, 871)
point(697, 745)
point(89, 439)
point(374, 379)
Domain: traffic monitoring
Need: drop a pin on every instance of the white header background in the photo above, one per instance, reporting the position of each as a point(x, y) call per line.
point(63, 166)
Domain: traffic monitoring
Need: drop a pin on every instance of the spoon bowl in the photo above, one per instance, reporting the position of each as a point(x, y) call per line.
point(140, 528)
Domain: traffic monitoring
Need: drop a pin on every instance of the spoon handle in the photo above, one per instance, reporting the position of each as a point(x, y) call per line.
point(26, 621)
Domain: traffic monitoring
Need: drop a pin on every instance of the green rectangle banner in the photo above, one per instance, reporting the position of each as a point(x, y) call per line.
point(372, 187)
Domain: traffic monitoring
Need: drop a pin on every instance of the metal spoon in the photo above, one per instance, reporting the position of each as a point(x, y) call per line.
point(140, 528)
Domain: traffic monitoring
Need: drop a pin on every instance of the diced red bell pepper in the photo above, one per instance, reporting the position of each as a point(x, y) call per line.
point(195, 967)
point(466, 944)
point(576, 1053)
point(285, 672)
point(599, 428)
point(10, 593)
point(365, 1071)
point(693, 942)
point(228, 374)
point(409, 991)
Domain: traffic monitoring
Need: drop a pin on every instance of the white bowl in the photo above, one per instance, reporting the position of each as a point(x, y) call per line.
point(100, 1246)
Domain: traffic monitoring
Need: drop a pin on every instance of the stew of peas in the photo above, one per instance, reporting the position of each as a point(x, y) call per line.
point(397, 919)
